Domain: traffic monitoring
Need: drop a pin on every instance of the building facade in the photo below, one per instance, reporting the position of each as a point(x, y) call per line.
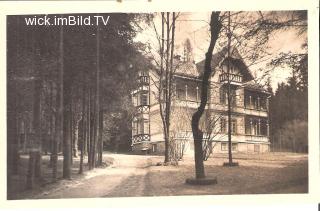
point(249, 108)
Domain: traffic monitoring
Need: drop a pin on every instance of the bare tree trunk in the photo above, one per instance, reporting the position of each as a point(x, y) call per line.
point(97, 112)
point(215, 27)
point(51, 124)
point(71, 125)
point(229, 96)
point(166, 94)
point(92, 133)
point(100, 158)
point(170, 78)
point(12, 141)
point(82, 141)
point(89, 132)
point(59, 117)
point(66, 123)
point(66, 132)
point(37, 110)
point(13, 154)
point(31, 171)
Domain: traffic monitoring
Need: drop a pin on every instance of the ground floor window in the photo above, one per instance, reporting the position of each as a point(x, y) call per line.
point(154, 147)
point(134, 128)
point(233, 126)
point(234, 146)
point(224, 146)
point(256, 148)
point(140, 126)
point(223, 125)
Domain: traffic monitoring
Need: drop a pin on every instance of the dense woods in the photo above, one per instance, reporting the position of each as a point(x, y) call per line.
point(289, 106)
point(68, 90)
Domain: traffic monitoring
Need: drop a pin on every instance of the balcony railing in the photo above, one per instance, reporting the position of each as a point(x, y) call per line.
point(143, 108)
point(144, 80)
point(140, 138)
point(234, 78)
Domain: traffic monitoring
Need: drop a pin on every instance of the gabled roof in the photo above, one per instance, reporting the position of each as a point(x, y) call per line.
point(220, 56)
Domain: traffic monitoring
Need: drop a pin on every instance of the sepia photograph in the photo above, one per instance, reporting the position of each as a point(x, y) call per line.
point(103, 105)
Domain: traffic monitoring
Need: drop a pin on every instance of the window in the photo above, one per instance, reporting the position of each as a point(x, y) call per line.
point(233, 126)
point(154, 148)
point(181, 94)
point(223, 125)
point(134, 128)
point(224, 95)
point(224, 146)
point(181, 90)
point(187, 90)
point(264, 128)
point(146, 126)
point(192, 91)
point(256, 148)
point(263, 104)
point(140, 126)
point(256, 126)
point(144, 99)
point(234, 146)
point(231, 69)
point(135, 100)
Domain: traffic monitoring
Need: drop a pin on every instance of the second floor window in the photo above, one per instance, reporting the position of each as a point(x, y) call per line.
point(140, 126)
point(234, 146)
point(188, 90)
point(181, 93)
point(256, 126)
point(224, 95)
point(223, 125)
point(233, 126)
point(254, 101)
point(144, 99)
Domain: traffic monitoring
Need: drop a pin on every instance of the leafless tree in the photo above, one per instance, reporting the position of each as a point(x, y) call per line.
point(215, 27)
point(165, 69)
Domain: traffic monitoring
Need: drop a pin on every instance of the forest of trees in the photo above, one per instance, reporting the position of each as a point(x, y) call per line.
point(68, 91)
point(289, 106)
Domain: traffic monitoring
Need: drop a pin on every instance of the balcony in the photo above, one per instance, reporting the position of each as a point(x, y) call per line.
point(140, 138)
point(239, 109)
point(144, 80)
point(234, 78)
point(143, 108)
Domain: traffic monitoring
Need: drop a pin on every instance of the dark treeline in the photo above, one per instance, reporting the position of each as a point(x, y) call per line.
point(289, 106)
point(68, 91)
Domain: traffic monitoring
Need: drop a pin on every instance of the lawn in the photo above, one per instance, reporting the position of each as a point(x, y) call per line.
point(256, 174)
point(138, 175)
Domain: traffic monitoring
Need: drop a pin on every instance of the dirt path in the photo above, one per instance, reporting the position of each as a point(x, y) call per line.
point(134, 175)
point(127, 172)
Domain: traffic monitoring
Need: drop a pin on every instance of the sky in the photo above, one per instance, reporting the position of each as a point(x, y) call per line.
point(195, 27)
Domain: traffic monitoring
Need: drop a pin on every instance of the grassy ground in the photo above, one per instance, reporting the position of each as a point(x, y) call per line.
point(257, 174)
point(138, 175)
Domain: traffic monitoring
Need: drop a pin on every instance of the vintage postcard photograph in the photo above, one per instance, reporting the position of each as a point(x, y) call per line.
point(103, 105)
